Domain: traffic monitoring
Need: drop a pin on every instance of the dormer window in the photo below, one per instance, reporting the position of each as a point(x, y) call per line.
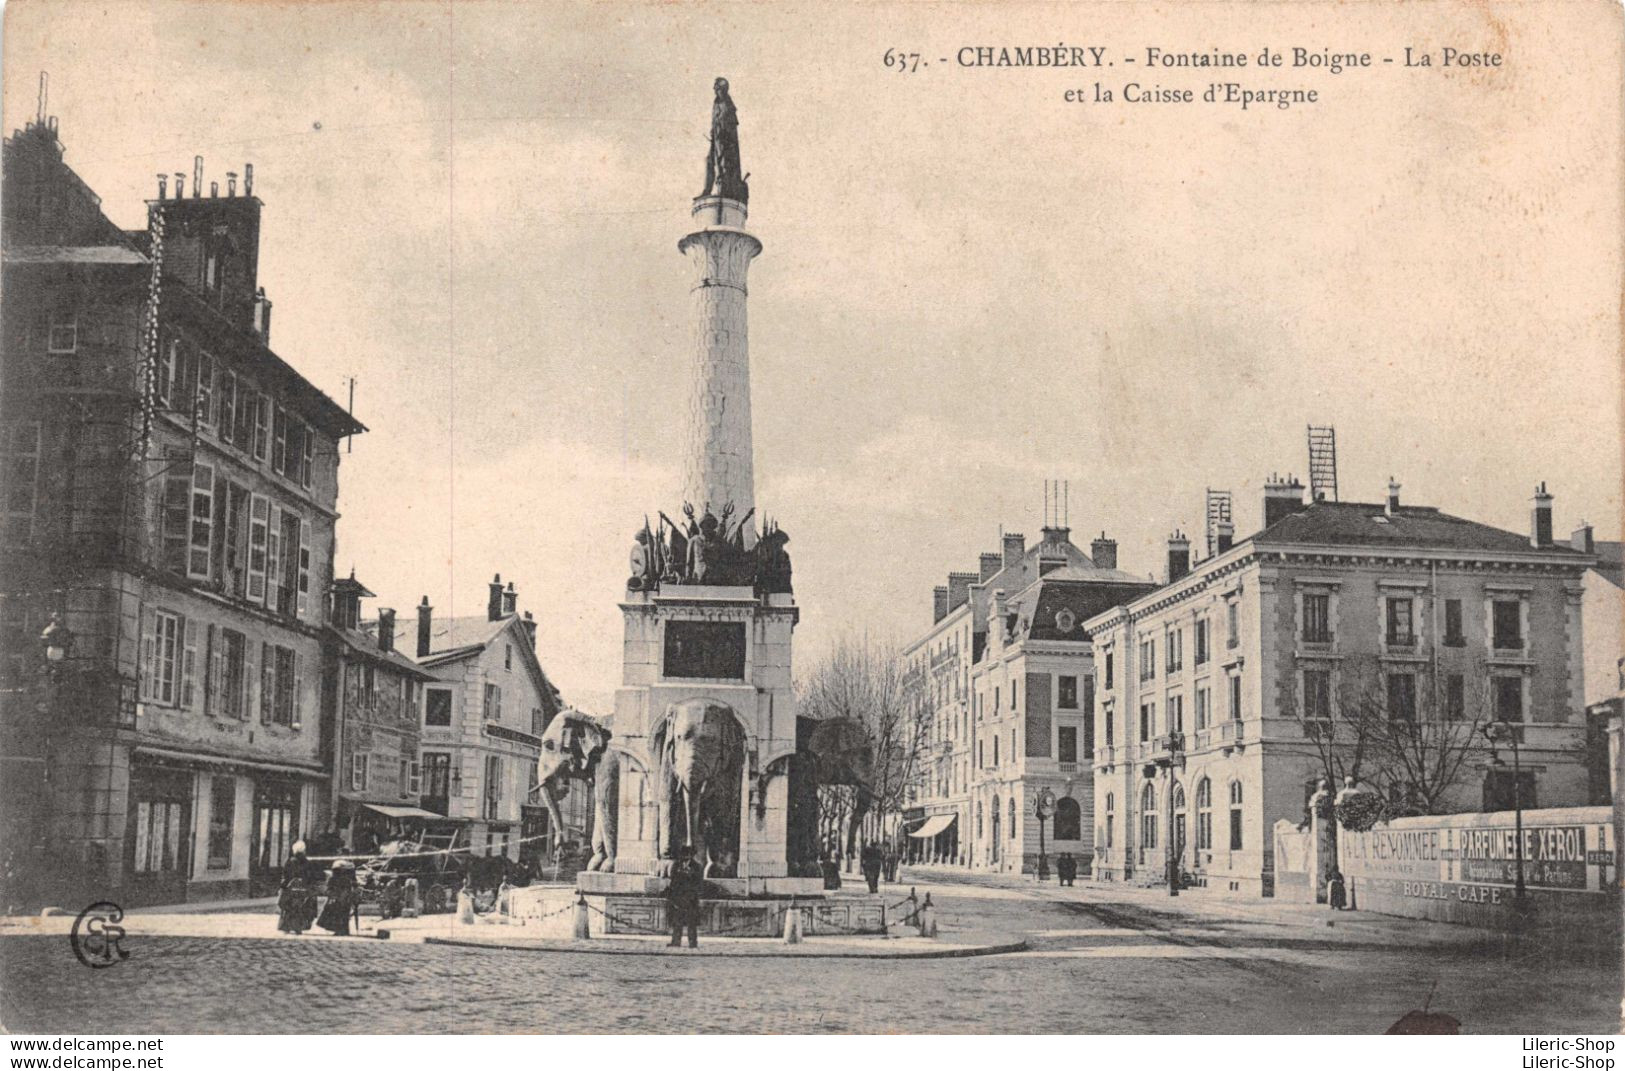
point(1066, 621)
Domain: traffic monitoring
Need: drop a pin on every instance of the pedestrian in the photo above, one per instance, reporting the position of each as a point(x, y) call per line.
point(683, 898)
point(342, 899)
point(831, 865)
point(893, 860)
point(392, 899)
point(872, 862)
point(1337, 891)
point(296, 902)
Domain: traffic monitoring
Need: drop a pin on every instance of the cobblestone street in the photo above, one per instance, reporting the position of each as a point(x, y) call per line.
point(1100, 961)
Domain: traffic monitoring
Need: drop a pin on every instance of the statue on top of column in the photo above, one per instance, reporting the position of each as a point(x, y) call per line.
point(722, 174)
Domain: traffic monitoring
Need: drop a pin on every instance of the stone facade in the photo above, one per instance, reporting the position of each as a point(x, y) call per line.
point(190, 569)
point(1216, 682)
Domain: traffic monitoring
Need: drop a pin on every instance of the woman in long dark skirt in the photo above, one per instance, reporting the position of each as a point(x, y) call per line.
point(342, 895)
point(296, 903)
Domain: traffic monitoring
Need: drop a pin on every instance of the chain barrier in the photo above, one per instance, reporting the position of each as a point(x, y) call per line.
point(568, 906)
point(416, 855)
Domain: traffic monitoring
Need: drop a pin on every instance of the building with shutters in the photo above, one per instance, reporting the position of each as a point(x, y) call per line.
point(1009, 670)
point(1225, 689)
point(169, 500)
point(483, 718)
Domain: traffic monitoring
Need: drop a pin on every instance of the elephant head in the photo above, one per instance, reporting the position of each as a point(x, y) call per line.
point(701, 750)
point(572, 746)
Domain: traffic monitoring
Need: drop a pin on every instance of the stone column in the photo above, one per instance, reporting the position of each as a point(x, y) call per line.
point(717, 447)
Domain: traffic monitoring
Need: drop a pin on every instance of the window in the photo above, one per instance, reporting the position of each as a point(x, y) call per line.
point(205, 390)
point(158, 846)
point(279, 439)
point(1068, 819)
point(995, 751)
point(493, 702)
point(233, 674)
point(307, 457)
point(437, 707)
point(369, 686)
point(1201, 641)
point(1455, 696)
point(288, 574)
point(1204, 815)
point(359, 762)
point(1147, 716)
point(1109, 674)
point(493, 785)
point(1111, 818)
point(22, 456)
point(1402, 696)
point(403, 777)
point(1452, 624)
point(1508, 624)
point(234, 540)
point(1111, 732)
point(1176, 650)
point(63, 336)
point(242, 428)
point(437, 770)
point(507, 656)
point(1204, 707)
point(1067, 741)
point(1148, 659)
point(1176, 714)
point(201, 541)
point(1235, 816)
point(1509, 699)
point(280, 685)
point(1235, 697)
point(162, 654)
point(1068, 697)
point(1401, 631)
point(1232, 620)
point(262, 427)
point(1317, 618)
point(1148, 817)
point(259, 528)
point(978, 821)
point(222, 814)
point(538, 723)
point(1012, 833)
point(1317, 695)
point(228, 404)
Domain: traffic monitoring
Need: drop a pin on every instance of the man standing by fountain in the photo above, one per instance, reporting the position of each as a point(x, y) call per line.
point(683, 898)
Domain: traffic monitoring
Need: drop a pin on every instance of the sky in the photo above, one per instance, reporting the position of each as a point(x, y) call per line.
point(968, 286)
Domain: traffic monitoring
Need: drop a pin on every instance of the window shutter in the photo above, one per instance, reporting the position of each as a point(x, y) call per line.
point(177, 518)
point(267, 682)
point(304, 568)
point(298, 691)
point(258, 533)
point(149, 649)
point(189, 664)
point(211, 673)
point(273, 570)
point(245, 709)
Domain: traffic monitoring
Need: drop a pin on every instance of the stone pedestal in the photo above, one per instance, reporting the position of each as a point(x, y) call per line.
point(756, 690)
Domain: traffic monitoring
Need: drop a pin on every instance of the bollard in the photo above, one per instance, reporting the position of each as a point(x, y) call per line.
point(413, 907)
point(581, 932)
point(928, 918)
point(792, 924)
point(465, 907)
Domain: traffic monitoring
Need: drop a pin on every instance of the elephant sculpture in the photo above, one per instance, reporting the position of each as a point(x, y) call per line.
point(575, 746)
point(701, 750)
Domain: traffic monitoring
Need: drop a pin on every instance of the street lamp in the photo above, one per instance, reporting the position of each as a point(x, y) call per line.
point(1495, 732)
point(1043, 808)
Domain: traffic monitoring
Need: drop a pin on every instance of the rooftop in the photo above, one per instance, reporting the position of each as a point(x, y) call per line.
point(1371, 525)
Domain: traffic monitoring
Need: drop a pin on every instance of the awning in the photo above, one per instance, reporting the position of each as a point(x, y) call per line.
point(199, 758)
point(401, 812)
point(934, 825)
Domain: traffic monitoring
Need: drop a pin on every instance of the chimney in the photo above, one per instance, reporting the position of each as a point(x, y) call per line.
point(1015, 548)
point(1179, 556)
point(1540, 520)
point(1393, 497)
point(959, 589)
point(990, 563)
point(180, 185)
point(530, 629)
point(231, 184)
point(197, 176)
point(1224, 535)
point(425, 627)
point(1282, 498)
point(510, 601)
point(493, 606)
point(1056, 535)
point(939, 604)
point(1104, 552)
point(1582, 540)
point(262, 316)
point(386, 629)
point(248, 180)
point(214, 189)
point(163, 187)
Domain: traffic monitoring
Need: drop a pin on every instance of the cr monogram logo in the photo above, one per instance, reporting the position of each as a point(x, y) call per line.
point(97, 935)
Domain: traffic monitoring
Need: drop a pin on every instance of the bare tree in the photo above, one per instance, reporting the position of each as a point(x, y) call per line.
point(863, 680)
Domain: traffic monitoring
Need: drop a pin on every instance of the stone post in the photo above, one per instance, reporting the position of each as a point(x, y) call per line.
point(581, 931)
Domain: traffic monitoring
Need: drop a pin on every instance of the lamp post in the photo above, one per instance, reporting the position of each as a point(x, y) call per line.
point(1043, 807)
point(1495, 732)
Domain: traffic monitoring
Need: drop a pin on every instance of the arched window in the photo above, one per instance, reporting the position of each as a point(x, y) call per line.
point(1179, 797)
point(1111, 819)
point(1068, 819)
point(1235, 816)
point(1012, 818)
point(1204, 815)
point(1148, 817)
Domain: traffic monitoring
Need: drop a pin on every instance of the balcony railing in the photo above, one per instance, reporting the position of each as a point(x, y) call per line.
point(1169, 744)
point(1232, 732)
